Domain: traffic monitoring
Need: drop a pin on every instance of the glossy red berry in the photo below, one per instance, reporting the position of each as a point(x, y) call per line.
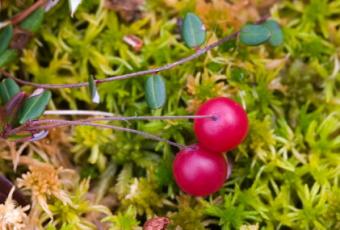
point(226, 129)
point(199, 172)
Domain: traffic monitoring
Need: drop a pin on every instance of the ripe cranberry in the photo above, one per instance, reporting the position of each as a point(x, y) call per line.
point(226, 129)
point(199, 172)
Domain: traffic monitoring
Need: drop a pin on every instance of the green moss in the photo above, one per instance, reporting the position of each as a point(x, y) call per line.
point(285, 174)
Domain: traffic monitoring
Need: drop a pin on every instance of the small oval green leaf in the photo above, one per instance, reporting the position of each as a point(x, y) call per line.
point(93, 90)
point(7, 57)
point(8, 89)
point(34, 106)
point(6, 35)
point(254, 34)
point(193, 30)
point(33, 22)
point(155, 91)
point(276, 37)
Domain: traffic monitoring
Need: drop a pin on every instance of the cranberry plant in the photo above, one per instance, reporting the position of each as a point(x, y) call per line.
point(76, 63)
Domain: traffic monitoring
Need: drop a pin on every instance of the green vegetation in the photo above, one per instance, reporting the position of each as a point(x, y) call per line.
point(285, 175)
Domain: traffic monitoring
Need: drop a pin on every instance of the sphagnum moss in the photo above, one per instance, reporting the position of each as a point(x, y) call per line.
point(285, 175)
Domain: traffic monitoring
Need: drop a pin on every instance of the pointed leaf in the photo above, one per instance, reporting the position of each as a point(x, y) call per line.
point(93, 90)
point(193, 31)
point(6, 35)
point(276, 37)
point(33, 107)
point(33, 22)
point(73, 4)
point(7, 57)
point(13, 106)
point(254, 34)
point(8, 89)
point(155, 91)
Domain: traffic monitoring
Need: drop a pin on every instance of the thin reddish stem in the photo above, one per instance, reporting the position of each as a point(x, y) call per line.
point(112, 117)
point(197, 54)
point(59, 123)
point(25, 13)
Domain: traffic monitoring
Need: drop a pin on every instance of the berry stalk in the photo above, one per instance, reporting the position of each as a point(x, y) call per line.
point(35, 126)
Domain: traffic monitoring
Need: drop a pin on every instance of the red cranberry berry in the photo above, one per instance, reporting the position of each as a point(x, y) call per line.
point(226, 129)
point(199, 172)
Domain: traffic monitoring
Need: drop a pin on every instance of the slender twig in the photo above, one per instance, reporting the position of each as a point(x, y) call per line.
point(60, 123)
point(25, 13)
point(78, 113)
point(112, 117)
point(197, 54)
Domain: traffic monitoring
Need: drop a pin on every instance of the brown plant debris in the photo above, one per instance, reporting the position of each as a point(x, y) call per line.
point(157, 223)
point(128, 10)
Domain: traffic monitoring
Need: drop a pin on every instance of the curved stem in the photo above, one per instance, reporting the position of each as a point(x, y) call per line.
point(24, 14)
point(197, 54)
point(59, 123)
point(78, 112)
point(112, 117)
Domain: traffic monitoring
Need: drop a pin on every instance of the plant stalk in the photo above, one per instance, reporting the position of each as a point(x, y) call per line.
point(59, 123)
point(112, 117)
point(197, 54)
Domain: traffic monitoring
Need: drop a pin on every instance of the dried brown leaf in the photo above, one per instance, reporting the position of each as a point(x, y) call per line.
point(226, 14)
point(20, 38)
point(128, 10)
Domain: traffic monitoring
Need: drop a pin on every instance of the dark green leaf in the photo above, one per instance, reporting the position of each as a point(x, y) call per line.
point(7, 57)
point(6, 35)
point(8, 89)
point(34, 106)
point(276, 37)
point(193, 31)
point(93, 90)
point(254, 34)
point(33, 22)
point(155, 91)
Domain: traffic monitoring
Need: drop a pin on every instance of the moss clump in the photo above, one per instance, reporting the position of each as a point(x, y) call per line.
point(285, 175)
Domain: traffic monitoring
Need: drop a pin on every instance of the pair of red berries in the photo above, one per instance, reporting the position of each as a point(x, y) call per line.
point(201, 169)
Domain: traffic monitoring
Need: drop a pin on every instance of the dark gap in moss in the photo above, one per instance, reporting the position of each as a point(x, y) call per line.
point(62, 103)
point(142, 218)
point(44, 54)
point(295, 199)
point(82, 105)
point(82, 26)
point(213, 227)
point(247, 183)
point(308, 179)
point(64, 72)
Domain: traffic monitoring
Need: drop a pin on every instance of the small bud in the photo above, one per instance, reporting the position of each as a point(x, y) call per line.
point(135, 42)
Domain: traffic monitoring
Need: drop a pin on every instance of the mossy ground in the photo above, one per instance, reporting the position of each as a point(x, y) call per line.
point(285, 175)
